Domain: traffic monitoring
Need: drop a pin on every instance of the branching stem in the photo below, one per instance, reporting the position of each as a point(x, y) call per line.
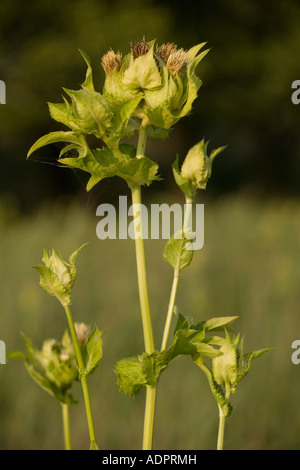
point(83, 379)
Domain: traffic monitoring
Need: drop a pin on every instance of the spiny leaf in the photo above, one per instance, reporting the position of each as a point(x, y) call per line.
point(247, 361)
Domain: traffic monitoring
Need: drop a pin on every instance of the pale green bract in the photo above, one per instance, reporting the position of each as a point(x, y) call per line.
point(196, 169)
point(232, 365)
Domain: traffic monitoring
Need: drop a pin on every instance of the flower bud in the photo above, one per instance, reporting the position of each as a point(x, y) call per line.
point(53, 367)
point(58, 276)
point(58, 361)
point(139, 48)
point(165, 50)
point(197, 165)
point(176, 61)
point(173, 99)
point(111, 62)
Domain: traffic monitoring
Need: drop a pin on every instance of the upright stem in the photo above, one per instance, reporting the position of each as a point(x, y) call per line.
point(144, 296)
point(222, 420)
point(167, 328)
point(83, 379)
point(221, 430)
point(66, 425)
point(170, 310)
point(142, 273)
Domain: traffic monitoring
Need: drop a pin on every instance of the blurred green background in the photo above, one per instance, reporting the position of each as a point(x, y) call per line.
point(249, 265)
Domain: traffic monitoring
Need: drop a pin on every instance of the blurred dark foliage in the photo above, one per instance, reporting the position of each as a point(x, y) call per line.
point(245, 100)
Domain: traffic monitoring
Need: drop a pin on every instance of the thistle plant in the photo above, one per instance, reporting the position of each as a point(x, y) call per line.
point(59, 366)
point(146, 92)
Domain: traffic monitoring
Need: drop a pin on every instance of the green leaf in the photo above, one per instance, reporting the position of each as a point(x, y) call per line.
point(176, 252)
point(158, 132)
point(193, 51)
point(88, 83)
point(119, 124)
point(138, 171)
point(137, 372)
point(102, 163)
point(131, 376)
point(161, 117)
point(218, 323)
point(74, 255)
point(246, 361)
point(92, 351)
point(54, 137)
point(60, 113)
point(162, 102)
point(39, 379)
point(191, 82)
point(114, 89)
point(191, 342)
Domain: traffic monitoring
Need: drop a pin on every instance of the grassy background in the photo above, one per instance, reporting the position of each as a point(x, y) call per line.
point(249, 266)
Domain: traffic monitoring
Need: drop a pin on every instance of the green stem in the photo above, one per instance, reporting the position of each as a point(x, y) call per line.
point(142, 140)
point(170, 310)
point(175, 283)
point(222, 419)
point(144, 296)
point(142, 273)
point(85, 389)
point(66, 425)
point(221, 430)
point(149, 417)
